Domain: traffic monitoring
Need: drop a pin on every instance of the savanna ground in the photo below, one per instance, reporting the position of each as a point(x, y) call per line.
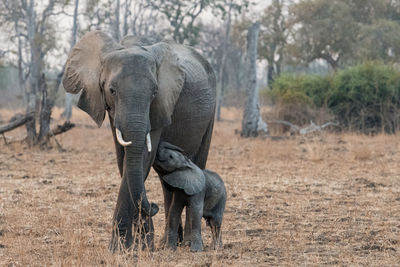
point(326, 199)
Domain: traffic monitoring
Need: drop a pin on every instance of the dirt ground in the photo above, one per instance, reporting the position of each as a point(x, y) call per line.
point(322, 200)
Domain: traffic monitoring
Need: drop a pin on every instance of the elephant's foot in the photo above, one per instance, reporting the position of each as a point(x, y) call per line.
point(120, 243)
point(180, 239)
point(216, 244)
point(186, 242)
point(172, 246)
point(196, 246)
point(144, 235)
point(146, 241)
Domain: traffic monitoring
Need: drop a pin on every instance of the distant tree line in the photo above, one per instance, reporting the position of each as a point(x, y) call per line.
point(295, 36)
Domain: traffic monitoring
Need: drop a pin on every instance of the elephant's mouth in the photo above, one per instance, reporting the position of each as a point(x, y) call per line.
point(122, 142)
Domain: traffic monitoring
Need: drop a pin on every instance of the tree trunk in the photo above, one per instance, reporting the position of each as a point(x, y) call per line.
point(45, 113)
point(126, 16)
point(115, 30)
point(252, 123)
point(221, 72)
point(270, 74)
point(68, 97)
point(21, 79)
point(34, 76)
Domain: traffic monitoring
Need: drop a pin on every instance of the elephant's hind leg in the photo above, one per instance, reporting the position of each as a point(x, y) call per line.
point(216, 234)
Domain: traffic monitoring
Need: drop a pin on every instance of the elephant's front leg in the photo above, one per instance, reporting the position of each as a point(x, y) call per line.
point(195, 214)
point(188, 227)
point(123, 219)
point(144, 233)
point(174, 216)
point(128, 208)
point(168, 194)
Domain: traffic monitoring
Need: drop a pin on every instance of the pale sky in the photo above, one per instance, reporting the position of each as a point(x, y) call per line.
point(64, 25)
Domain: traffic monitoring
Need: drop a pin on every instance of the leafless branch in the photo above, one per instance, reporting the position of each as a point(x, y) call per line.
point(308, 129)
point(59, 129)
point(16, 122)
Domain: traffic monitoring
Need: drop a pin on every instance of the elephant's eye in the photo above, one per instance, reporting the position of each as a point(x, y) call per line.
point(112, 91)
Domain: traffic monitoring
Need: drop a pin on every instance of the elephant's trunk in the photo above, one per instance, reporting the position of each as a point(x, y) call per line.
point(132, 199)
point(134, 166)
point(133, 180)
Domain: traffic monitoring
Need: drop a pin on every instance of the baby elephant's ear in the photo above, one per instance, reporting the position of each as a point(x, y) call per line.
point(192, 181)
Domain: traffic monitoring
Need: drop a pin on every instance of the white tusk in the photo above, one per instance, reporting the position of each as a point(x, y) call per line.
point(148, 142)
point(121, 140)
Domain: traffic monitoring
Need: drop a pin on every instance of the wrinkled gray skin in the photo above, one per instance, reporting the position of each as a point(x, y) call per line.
point(165, 89)
point(202, 192)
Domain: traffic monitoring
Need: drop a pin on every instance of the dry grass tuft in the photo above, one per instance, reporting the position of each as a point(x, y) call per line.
point(316, 153)
point(362, 153)
point(320, 200)
point(360, 150)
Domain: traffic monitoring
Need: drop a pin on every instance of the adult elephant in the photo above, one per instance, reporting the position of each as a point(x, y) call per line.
point(153, 93)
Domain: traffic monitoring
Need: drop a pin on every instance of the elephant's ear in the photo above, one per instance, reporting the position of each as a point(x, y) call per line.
point(170, 78)
point(82, 72)
point(191, 180)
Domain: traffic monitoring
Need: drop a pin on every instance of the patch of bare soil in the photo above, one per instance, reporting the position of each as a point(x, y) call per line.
point(325, 199)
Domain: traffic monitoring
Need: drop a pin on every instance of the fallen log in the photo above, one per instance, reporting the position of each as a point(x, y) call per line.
point(16, 122)
point(308, 129)
point(316, 128)
point(61, 129)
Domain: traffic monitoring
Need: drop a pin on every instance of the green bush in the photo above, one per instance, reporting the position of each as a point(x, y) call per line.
point(363, 98)
point(299, 99)
point(366, 98)
point(306, 89)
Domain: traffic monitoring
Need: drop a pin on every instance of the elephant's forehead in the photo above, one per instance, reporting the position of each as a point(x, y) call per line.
point(131, 58)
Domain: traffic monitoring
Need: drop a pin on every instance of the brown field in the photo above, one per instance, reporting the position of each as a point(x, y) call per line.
point(321, 200)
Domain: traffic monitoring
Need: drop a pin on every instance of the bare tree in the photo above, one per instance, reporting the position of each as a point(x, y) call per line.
point(221, 71)
point(34, 30)
point(68, 97)
point(252, 123)
point(115, 25)
point(127, 13)
point(98, 15)
point(274, 36)
point(182, 15)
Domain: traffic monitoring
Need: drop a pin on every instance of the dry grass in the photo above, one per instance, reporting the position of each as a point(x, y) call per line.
point(300, 201)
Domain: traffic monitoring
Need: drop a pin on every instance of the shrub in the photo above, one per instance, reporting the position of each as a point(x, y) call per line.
point(299, 99)
point(366, 98)
point(363, 98)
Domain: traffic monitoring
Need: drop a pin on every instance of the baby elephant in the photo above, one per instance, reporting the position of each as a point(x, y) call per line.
point(202, 192)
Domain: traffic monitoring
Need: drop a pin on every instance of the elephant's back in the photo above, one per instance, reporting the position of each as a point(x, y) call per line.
point(199, 75)
point(199, 89)
point(194, 112)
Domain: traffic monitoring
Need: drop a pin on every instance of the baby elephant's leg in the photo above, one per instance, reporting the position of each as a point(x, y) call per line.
point(195, 215)
point(188, 227)
point(216, 233)
point(174, 219)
